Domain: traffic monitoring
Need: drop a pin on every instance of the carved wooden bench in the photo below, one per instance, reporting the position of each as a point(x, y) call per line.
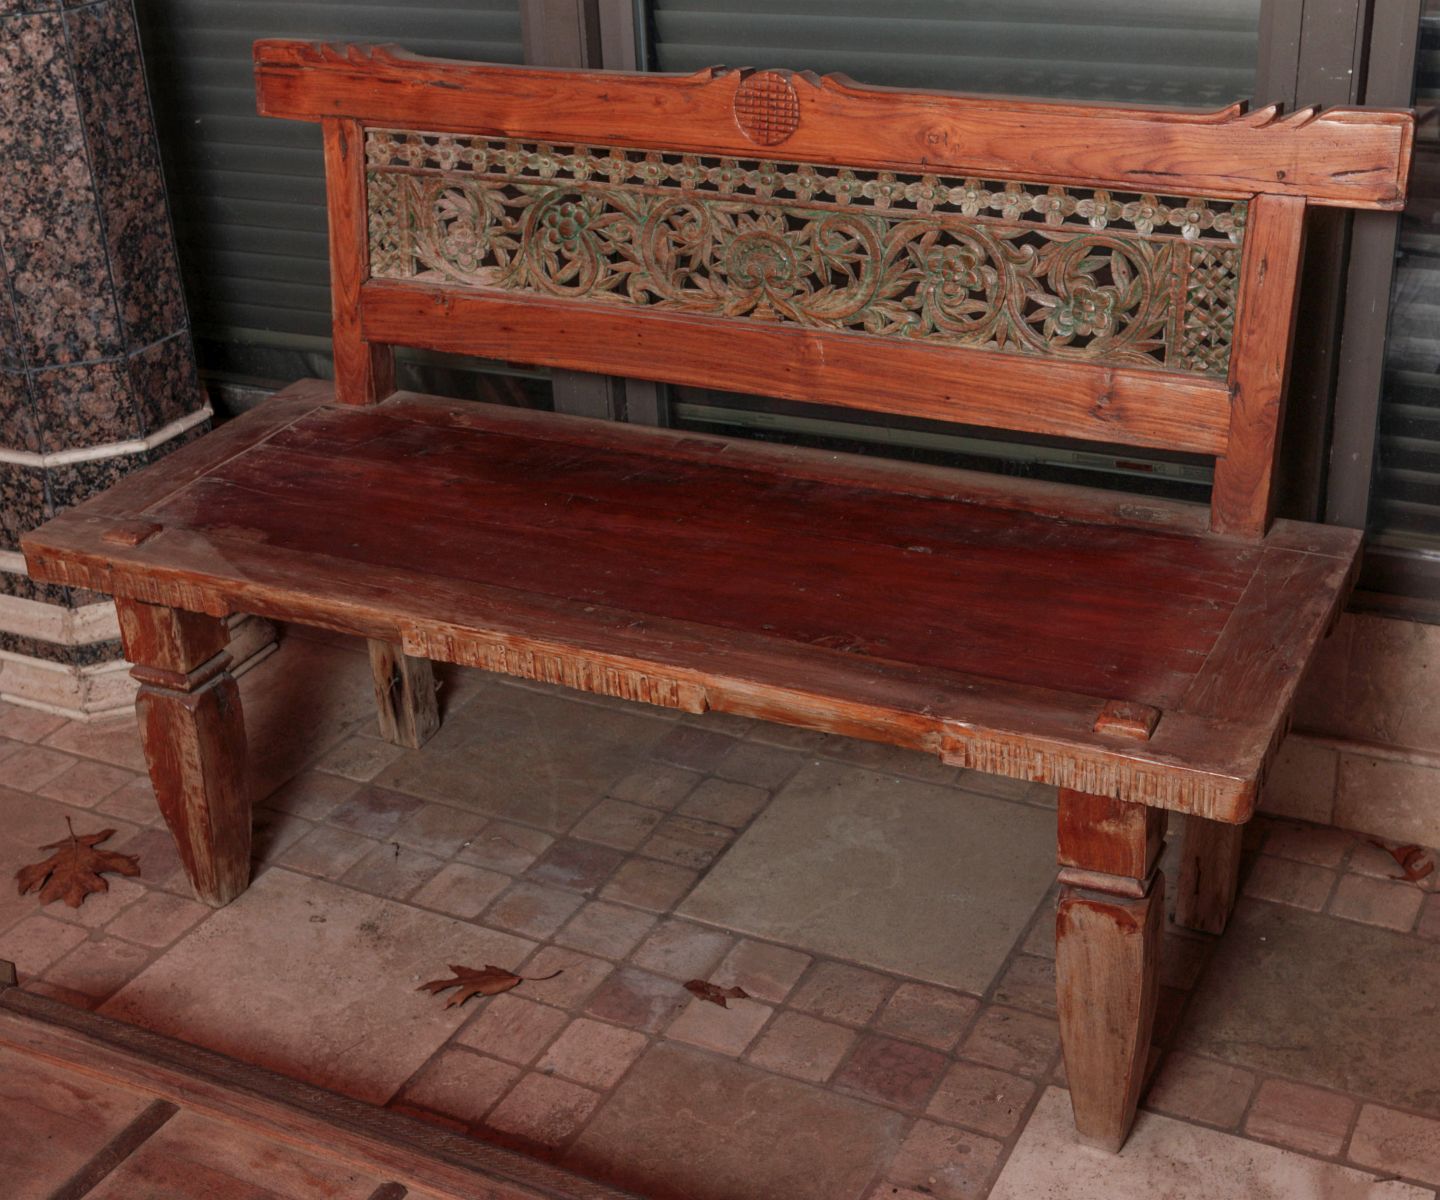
point(1117, 275)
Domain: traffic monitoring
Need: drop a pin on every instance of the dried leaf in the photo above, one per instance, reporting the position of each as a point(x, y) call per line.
point(468, 981)
point(715, 993)
point(1411, 859)
point(74, 870)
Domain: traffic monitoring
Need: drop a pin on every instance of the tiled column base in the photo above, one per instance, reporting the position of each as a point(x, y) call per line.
point(90, 680)
point(1365, 754)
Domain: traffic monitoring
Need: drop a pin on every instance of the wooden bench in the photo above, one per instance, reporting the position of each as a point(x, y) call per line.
point(1118, 275)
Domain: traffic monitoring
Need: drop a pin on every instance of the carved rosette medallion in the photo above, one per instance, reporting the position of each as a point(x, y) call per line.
point(767, 108)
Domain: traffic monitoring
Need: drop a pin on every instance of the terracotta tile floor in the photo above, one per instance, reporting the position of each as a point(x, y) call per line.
point(890, 916)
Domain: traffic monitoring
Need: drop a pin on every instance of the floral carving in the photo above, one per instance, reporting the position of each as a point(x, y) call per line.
point(1015, 267)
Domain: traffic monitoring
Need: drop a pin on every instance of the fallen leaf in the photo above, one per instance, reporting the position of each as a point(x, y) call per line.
point(74, 870)
point(487, 981)
point(1411, 859)
point(714, 993)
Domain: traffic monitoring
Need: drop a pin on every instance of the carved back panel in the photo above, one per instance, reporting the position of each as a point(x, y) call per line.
point(1112, 274)
point(1087, 275)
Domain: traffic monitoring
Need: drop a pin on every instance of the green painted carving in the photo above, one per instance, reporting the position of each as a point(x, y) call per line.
point(1132, 280)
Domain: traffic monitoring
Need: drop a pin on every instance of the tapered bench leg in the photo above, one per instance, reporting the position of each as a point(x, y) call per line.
point(193, 733)
point(1209, 871)
point(1107, 952)
point(404, 695)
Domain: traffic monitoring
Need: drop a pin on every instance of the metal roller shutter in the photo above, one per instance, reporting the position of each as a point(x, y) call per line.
point(247, 192)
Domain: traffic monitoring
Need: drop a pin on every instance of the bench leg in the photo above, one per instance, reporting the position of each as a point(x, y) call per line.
point(1107, 954)
point(1209, 871)
point(193, 733)
point(404, 695)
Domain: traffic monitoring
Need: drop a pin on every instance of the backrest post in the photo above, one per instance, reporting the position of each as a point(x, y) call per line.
point(1259, 365)
point(364, 371)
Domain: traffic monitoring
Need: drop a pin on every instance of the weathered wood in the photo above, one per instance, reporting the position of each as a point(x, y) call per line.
point(169, 640)
point(1107, 955)
point(1107, 962)
point(273, 529)
point(291, 1116)
point(1040, 395)
point(193, 734)
point(1209, 871)
point(405, 697)
point(1260, 365)
point(120, 1147)
point(1357, 158)
point(1097, 833)
point(364, 369)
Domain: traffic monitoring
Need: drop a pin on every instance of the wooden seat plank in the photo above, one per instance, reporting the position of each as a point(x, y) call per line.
point(1121, 616)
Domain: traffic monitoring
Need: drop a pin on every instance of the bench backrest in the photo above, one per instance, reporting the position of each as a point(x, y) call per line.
point(1113, 274)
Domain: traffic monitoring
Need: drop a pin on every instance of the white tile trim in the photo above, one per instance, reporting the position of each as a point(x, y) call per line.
point(105, 689)
point(58, 624)
point(57, 458)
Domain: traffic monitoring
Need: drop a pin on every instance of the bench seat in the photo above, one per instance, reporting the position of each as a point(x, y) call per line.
point(1097, 641)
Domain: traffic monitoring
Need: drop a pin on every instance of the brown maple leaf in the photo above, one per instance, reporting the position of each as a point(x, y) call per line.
point(74, 870)
point(714, 993)
point(487, 981)
point(1411, 859)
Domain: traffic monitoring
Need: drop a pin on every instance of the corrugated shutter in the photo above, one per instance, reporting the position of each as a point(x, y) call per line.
point(248, 192)
point(1405, 507)
point(1199, 54)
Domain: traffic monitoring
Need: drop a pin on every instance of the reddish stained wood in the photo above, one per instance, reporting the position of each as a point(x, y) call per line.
point(1205, 764)
point(364, 369)
point(270, 1118)
point(1136, 407)
point(1107, 964)
point(1056, 501)
point(168, 639)
point(1209, 872)
point(1125, 718)
point(524, 534)
point(1110, 836)
point(1259, 365)
point(404, 695)
point(1288, 607)
point(193, 735)
point(1351, 157)
point(131, 533)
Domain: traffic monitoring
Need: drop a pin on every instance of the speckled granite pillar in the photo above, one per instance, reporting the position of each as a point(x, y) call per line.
point(97, 371)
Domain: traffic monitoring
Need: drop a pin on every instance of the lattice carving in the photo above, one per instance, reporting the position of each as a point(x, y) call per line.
point(1023, 268)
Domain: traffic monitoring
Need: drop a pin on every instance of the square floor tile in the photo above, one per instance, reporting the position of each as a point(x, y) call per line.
point(461, 1084)
point(912, 878)
point(948, 1164)
point(315, 981)
point(1322, 1000)
point(593, 1053)
point(685, 1123)
point(1165, 1157)
point(802, 1046)
point(981, 1098)
point(892, 1071)
point(544, 760)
